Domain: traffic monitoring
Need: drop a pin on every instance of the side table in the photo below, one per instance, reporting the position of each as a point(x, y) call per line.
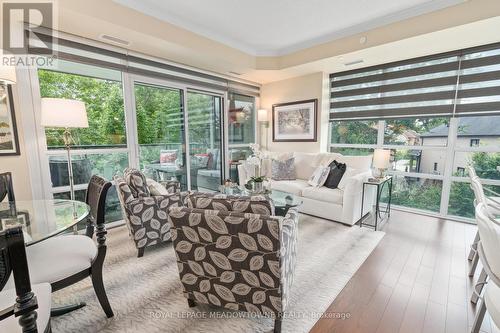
point(380, 216)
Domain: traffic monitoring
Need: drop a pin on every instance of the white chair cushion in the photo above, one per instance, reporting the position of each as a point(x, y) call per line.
point(156, 188)
point(324, 194)
point(58, 257)
point(291, 186)
point(492, 299)
point(43, 295)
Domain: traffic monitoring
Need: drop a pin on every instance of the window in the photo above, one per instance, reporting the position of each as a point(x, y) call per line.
point(241, 117)
point(474, 142)
point(241, 130)
point(100, 148)
point(425, 110)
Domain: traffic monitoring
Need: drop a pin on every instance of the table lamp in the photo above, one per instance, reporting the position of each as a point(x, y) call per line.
point(8, 74)
point(262, 118)
point(381, 159)
point(65, 113)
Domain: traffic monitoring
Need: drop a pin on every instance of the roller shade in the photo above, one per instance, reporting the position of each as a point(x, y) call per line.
point(458, 83)
point(121, 60)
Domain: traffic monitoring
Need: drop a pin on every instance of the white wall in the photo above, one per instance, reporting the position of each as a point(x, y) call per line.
point(312, 86)
point(18, 165)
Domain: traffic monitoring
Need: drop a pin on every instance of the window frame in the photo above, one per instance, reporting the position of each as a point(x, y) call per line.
point(447, 178)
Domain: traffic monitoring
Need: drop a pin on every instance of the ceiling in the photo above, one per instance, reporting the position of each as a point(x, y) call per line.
point(280, 27)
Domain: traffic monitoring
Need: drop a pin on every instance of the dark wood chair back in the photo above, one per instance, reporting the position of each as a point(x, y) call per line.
point(6, 187)
point(96, 199)
point(13, 260)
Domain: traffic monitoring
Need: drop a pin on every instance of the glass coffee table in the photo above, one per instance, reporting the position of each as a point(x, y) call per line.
point(282, 201)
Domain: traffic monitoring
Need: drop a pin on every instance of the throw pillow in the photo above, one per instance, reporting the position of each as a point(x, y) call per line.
point(168, 157)
point(283, 170)
point(156, 188)
point(319, 176)
point(349, 173)
point(137, 183)
point(337, 170)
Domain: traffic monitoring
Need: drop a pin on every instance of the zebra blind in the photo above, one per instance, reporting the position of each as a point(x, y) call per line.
point(121, 60)
point(463, 82)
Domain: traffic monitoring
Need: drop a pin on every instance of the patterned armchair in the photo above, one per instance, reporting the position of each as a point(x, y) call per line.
point(240, 261)
point(145, 211)
point(256, 204)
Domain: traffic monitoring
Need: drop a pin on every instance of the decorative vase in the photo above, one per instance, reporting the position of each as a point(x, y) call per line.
point(258, 187)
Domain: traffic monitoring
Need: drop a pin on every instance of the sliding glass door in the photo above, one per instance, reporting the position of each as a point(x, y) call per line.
point(204, 114)
point(161, 132)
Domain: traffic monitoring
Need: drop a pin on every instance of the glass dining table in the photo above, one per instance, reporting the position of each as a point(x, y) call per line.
point(42, 219)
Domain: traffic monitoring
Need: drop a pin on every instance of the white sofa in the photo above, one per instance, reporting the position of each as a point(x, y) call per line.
point(342, 206)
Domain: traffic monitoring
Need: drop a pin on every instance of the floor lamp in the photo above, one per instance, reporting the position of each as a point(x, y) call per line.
point(262, 118)
point(67, 114)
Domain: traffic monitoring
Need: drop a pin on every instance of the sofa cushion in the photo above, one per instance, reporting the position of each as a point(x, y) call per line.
point(156, 188)
point(348, 174)
point(306, 163)
point(328, 158)
point(291, 186)
point(325, 194)
point(283, 170)
point(357, 162)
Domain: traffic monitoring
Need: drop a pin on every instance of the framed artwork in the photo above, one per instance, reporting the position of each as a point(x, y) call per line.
point(295, 121)
point(9, 140)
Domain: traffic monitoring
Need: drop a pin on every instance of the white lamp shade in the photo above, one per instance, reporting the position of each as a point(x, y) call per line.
point(262, 115)
point(67, 113)
point(381, 158)
point(8, 74)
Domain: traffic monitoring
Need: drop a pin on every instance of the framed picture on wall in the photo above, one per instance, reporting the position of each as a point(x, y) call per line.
point(9, 141)
point(295, 121)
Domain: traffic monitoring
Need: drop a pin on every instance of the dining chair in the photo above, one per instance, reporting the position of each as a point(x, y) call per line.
point(489, 254)
point(67, 259)
point(26, 307)
point(6, 187)
point(492, 209)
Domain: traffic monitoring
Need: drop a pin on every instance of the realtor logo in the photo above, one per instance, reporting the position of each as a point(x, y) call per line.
point(16, 18)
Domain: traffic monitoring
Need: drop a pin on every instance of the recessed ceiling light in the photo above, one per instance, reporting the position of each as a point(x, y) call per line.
point(362, 40)
point(354, 62)
point(115, 40)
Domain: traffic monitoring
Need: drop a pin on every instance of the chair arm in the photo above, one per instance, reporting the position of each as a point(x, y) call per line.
point(351, 201)
point(354, 185)
point(288, 252)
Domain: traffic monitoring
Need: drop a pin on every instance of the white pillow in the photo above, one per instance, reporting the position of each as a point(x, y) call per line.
point(319, 176)
point(156, 188)
point(348, 174)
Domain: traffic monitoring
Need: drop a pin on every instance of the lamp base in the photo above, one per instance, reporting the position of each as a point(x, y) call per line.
point(379, 173)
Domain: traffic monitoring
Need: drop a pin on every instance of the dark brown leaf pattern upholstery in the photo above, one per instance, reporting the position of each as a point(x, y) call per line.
point(137, 182)
point(257, 204)
point(172, 186)
point(146, 217)
point(240, 261)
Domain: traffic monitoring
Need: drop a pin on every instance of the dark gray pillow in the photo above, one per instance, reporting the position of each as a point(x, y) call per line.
point(283, 170)
point(337, 170)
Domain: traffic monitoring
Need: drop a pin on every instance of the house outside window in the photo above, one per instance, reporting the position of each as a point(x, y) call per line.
point(474, 142)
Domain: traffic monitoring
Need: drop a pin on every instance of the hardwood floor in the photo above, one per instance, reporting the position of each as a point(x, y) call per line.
point(416, 280)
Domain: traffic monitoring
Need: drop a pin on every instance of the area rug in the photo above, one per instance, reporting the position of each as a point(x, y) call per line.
point(146, 293)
